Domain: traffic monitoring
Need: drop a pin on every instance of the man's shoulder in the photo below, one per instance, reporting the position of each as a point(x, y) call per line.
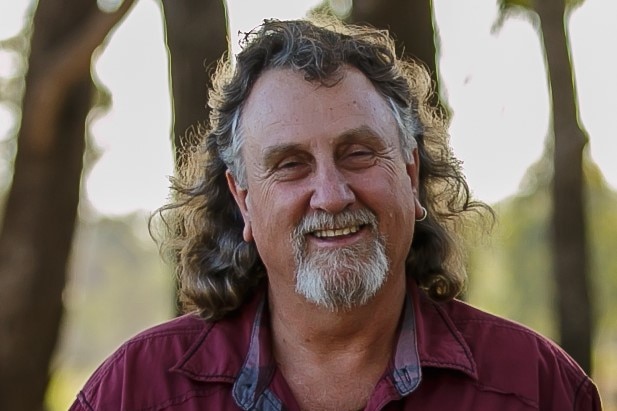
point(169, 339)
point(491, 333)
point(509, 354)
point(475, 319)
point(151, 366)
point(480, 326)
point(156, 348)
point(187, 325)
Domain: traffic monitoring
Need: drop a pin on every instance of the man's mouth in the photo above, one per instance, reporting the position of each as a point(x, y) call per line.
point(337, 232)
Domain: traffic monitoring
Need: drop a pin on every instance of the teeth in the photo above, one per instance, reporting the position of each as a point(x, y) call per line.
point(337, 232)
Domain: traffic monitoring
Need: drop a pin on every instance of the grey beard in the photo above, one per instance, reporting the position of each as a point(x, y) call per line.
point(342, 278)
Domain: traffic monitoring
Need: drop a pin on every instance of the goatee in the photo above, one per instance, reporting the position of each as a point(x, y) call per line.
point(340, 278)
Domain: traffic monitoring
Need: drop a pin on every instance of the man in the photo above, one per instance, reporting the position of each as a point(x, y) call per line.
point(313, 234)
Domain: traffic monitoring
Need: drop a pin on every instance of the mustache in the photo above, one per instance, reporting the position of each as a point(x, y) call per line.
point(322, 220)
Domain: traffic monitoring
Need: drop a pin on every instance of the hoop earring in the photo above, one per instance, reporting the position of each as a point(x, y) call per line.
point(424, 215)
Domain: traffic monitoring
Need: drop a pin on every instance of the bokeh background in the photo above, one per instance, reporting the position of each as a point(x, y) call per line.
point(491, 66)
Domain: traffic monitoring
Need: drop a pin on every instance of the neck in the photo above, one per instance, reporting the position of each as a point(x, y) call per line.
point(318, 350)
point(302, 328)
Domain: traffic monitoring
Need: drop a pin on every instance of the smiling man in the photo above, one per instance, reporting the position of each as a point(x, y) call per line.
point(324, 166)
point(312, 229)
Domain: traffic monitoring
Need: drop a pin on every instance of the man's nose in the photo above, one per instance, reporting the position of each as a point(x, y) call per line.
point(331, 192)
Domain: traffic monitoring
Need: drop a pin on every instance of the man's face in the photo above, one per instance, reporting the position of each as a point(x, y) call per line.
point(329, 202)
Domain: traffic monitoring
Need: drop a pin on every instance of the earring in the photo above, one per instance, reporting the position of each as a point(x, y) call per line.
point(424, 215)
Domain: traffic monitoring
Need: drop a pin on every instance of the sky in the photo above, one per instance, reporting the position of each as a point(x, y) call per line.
point(495, 83)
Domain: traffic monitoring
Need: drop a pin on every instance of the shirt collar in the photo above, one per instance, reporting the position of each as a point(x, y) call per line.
point(224, 347)
point(406, 372)
point(238, 348)
point(427, 338)
point(440, 343)
point(259, 364)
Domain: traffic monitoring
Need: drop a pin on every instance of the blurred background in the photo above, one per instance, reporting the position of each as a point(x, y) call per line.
point(95, 97)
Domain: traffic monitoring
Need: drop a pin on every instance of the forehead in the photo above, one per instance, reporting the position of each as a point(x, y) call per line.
point(284, 107)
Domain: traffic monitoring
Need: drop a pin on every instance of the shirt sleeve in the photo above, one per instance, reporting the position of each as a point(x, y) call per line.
point(587, 397)
point(81, 404)
point(104, 389)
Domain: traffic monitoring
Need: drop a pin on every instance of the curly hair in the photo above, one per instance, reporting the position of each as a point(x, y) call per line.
point(203, 226)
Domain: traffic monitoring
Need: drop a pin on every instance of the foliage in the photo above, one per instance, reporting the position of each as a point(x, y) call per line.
point(515, 267)
point(505, 5)
point(11, 94)
point(340, 9)
point(510, 275)
point(114, 260)
point(525, 8)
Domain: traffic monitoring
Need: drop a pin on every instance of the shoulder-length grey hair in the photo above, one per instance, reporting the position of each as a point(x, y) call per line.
point(202, 230)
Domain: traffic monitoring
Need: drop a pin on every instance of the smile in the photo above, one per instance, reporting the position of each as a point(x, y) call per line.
point(337, 232)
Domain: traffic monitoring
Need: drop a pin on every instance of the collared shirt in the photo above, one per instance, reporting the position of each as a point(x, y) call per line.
point(448, 356)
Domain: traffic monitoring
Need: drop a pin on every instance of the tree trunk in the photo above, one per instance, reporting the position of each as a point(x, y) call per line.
point(41, 207)
point(411, 24)
point(196, 35)
point(568, 214)
point(196, 39)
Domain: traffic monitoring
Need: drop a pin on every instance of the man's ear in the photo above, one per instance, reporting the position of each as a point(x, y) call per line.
point(413, 171)
point(241, 197)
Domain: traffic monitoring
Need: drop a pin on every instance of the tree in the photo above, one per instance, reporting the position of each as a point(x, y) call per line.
point(568, 220)
point(196, 34)
point(411, 23)
point(41, 207)
point(514, 265)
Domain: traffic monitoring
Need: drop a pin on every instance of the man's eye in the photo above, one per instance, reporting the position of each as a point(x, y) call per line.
point(289, 164)
point(358, 157)
point(360, 153)
point(357, 151)
point(290, 169)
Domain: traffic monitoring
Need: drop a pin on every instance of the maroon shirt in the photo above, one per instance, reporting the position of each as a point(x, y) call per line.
point(448, 356)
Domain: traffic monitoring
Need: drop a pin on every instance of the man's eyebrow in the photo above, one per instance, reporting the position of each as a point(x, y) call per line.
point(364, 133)
point(360, 134)
point(275, 152)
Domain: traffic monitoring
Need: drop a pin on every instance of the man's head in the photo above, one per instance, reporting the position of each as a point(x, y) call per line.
point(316, 126)
point(320, 54)
point(324, 166)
